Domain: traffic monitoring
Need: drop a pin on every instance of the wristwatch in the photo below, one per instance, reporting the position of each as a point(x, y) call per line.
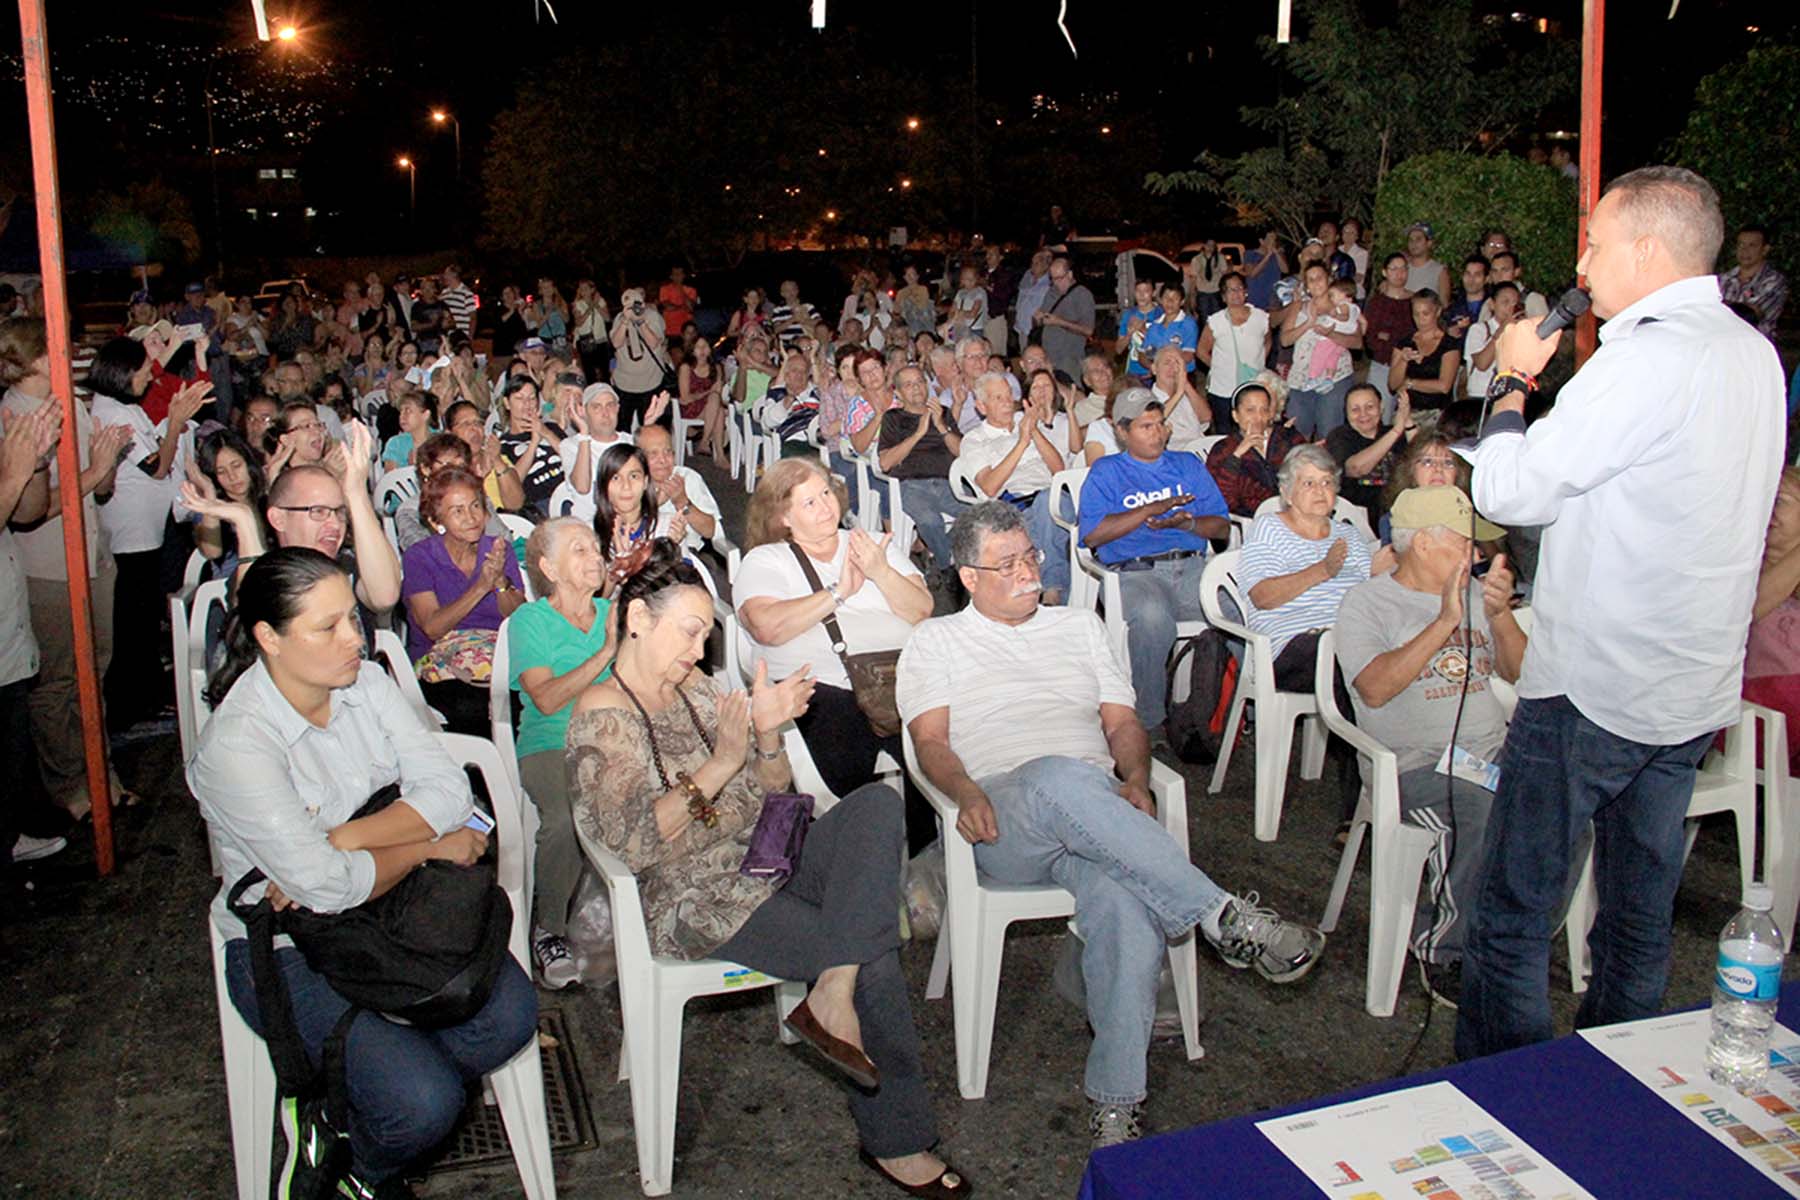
point(1508, 382)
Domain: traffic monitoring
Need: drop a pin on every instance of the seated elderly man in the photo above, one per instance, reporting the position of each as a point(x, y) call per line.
point(1147, 515)
point(1012, 456)
point(680, 491)
point(916, 445)
point(1407, 642)
point(1022, 717)
point(964, 401)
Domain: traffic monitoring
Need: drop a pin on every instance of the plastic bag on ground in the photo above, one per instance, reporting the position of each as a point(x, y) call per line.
point(590, 935)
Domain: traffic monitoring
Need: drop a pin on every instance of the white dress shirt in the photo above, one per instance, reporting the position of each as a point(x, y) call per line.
point(272, 785)
point(1654, 475)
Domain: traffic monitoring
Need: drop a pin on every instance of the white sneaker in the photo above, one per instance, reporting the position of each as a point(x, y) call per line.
point(30, 849)
point(1115, 1124)
point(556, 966)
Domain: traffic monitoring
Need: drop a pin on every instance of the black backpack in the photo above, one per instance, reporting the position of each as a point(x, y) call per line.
point(1196, 725)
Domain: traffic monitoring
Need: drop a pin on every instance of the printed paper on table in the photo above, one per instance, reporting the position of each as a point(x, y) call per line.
point(1668, 1055)
point(1422, 1143)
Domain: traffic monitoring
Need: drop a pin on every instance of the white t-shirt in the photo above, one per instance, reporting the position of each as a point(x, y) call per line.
point(1185, 429)
point(570, 447)
point(334, 425)
point(1015, 692)
point(1100, 430)
point(139, 508)
point(987, 444)
point(1234, 344)
point(700, 496)
point(1480, 333)
point(867, 621)
point(41, 549)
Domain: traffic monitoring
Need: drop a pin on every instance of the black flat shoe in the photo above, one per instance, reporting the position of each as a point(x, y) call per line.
point(949, 1185)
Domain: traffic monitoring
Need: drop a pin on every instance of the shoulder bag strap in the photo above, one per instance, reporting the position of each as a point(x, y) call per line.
point(839, 646)
point(294, 1072)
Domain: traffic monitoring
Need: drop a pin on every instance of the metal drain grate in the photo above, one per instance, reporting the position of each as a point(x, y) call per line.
point(480, 1139)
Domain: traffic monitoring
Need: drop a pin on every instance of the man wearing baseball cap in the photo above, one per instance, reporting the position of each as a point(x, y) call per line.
point(1423, 272)
point(1407, 643)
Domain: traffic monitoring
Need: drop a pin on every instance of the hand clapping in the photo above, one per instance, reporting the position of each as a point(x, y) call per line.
point(773, 705)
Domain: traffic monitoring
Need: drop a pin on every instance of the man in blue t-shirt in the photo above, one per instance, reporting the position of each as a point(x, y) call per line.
point(1263, 269)
point(1147, 515)
point(1134, 327)
point(1172, 326)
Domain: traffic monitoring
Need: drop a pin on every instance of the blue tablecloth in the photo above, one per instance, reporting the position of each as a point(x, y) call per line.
point(1607, 1131)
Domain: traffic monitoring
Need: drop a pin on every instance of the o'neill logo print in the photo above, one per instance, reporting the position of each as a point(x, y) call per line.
point(1139, 499)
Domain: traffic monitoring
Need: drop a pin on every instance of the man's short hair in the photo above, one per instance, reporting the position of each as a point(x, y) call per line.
point(994, 379)
point(962, 347)
point(975, 525)
point(1509, 255)
point(1403, 538)
point(282, 492)
point(1676, 207)
point(1761, 231)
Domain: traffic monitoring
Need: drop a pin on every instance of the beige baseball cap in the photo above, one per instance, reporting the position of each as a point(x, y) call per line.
point(1423, 507)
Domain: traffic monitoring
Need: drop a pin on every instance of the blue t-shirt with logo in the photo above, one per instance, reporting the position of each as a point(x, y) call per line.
point(1182, 331)
point(1146, 315)
point(1119, 482)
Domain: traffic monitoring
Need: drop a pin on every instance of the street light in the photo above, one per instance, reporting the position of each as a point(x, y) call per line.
point(287, 35)
point(439, 116)
point(912, 124)
point(412, 188)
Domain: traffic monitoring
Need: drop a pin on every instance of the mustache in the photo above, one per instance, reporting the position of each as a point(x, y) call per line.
point(1022, 590)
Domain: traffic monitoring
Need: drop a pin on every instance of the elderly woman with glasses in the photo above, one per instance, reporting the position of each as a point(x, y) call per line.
point(1298, 562)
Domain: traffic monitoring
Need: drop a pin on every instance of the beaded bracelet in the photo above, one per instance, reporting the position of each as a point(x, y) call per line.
point(698, 807)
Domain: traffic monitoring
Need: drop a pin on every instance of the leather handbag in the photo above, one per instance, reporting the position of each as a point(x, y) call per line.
point(872, 674)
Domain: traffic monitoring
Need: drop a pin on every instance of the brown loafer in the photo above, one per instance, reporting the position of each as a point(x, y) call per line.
point(837, 1052)
point(949, 1185)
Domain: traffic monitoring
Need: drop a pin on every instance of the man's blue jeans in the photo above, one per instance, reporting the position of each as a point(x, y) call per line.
point(407, 1086)
point(1154, 600)
point(1052, 539)
point(1062, 821)
point(927, 501)
point(1559, 771)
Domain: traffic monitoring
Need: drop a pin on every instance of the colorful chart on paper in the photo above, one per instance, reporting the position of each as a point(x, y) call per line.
point(1668, 1055)
point(1424, 1143)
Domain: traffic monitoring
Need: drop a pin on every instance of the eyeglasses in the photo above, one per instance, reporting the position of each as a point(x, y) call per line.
point(319, 512)
point(1007, 566)
point(1444, 464)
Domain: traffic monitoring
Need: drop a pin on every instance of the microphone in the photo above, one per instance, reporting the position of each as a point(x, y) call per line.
point(1574, 302)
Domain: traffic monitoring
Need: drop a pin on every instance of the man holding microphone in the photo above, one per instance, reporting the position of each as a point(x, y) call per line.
point(1653, 476)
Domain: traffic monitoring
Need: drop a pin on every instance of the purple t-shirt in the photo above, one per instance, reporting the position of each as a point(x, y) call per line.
point(426, 567)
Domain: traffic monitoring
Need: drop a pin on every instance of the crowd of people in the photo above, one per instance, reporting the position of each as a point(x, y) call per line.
point(361, 465)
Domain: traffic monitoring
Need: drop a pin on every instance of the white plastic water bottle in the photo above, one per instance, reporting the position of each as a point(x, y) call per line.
point(1746, 987)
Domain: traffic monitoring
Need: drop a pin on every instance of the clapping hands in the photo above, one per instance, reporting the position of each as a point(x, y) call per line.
point(773, 705)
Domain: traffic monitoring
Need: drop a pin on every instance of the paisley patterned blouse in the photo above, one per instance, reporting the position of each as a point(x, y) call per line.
point(694, 898)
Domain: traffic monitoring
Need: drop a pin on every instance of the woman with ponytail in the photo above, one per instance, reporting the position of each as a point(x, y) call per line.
point(303, 734)
point(670, 774)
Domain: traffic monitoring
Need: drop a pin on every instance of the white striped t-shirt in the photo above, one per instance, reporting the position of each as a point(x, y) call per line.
point(1272, 550)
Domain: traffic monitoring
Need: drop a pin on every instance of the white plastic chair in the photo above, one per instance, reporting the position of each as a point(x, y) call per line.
point(206, 597)
point(1344, 510)
point(391, 653)
point(395, 487)
point(193, 573)
point(737, 641)
point(1065, 498)
point(902, 525)
point(500, 694)
point(868, 512)
point(1780, 818)
point(1397, 852)
point(963, 485)
point(1204, 446)
point(1276, 711)
point(518, 1085)
point(653, 993)
point(180, 655)
point(564, 500)
point(520, 528)
point(972, 939)
point(1726, 782)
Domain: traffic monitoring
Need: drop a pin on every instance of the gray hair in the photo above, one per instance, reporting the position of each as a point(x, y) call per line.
point(975, 525)
point(1307, 454)
point(1676, 207)
point(545, 540)
point(962, 347)
point(941, 353)
point(987, 378)
point(1403, 538)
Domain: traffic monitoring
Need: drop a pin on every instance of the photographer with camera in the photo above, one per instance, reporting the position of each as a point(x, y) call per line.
point(642, 366)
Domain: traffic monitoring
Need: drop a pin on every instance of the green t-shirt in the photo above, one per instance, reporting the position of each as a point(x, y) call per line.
point(539, 636)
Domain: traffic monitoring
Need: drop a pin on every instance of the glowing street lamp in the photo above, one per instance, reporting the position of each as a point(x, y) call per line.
point(412, 186)
point(287, 37)
point(286, 33)
point(440, 116)
point(912, 124)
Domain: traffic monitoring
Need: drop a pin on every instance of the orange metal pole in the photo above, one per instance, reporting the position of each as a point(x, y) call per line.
point(62, 386)
point(1593, 59)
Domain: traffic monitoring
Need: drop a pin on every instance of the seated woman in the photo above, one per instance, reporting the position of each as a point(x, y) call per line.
point(458, 585)
point(557, 645)
point(418, 420)
point(296, 439)
point(702, 385)
point(304, 732)
point(225, 469)
point(872, 589)
point(1367, 451)
point(529, 443)
point(625, 518)
point(501, 481)
point(1297, 563)
point(1772, 664)
point(1245, 463)
point(661, 774)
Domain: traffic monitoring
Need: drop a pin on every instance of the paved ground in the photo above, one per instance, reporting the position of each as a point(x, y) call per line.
point(115, 1086)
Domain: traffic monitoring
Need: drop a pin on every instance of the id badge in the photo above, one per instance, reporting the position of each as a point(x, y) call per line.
point(1472, 767)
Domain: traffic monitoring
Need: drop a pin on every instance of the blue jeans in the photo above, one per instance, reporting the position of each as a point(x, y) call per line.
point(1063, 821)
point(927, 501)
point(844, 467)
point(1317, 413)
point(407, 1086)
point(1154, 600)
point(1559, 771)
point(1052, 539)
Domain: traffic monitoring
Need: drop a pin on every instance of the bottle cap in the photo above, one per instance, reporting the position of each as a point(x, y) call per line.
point(1759, 896)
